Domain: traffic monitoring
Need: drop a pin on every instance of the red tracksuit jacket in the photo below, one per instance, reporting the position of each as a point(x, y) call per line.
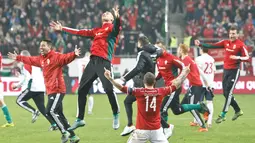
point(236, 48)
point(105, 38)
point(51, 65)
point(168, 66)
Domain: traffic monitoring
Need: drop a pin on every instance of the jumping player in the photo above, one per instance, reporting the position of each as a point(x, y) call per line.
point(105, 39)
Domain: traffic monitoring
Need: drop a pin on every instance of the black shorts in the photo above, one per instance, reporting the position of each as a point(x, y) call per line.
point(206, 94)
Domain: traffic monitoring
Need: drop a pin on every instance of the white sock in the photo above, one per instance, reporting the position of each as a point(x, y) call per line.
point(91, 103)
point(210, 107)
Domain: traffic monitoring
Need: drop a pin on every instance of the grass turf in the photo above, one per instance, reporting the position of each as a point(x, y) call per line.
point(98, 127)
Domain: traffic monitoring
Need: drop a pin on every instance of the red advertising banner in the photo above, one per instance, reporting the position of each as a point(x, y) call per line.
point(217, 54)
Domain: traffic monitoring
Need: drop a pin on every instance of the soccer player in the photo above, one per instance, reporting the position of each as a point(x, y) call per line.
point(168, 66)
point(235, 52)
point(102, 49)
point(193, 94)
point(32, 80)
point(148, 126)
point(51, 64)
point(3, 106)
point(143, 65)
point(84, 62)
point(207, 69)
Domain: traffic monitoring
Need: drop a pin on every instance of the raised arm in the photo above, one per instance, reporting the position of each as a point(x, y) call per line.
point(83, 32)
point(107, 74)
point(216, 45)
point(179, 80)
point(34, 60)
point(116, 22)
point(64, 59)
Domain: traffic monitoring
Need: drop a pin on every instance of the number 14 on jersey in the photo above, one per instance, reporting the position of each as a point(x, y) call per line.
point(152, 103)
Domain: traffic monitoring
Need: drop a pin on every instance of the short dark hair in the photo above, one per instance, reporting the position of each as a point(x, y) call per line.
point(143, 40)
point(49, 43)
point(232, 28)
point(149, 79)
point(205, 50)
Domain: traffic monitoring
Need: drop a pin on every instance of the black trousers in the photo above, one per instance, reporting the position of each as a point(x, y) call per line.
point(172, 102)
point(230, 77)
point(38, 98)
point(207, 95)
point(93, 70)
point(55, 111)
point(193, 96)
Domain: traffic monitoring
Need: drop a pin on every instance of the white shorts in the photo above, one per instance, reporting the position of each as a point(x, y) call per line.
point(1, 91)
point(142, 136)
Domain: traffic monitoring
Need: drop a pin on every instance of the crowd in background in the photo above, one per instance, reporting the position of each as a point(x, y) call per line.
point(23, 23)
point(212, 18)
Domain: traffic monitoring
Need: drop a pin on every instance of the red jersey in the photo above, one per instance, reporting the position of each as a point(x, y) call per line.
point(148, 105)
point(193, 76)
point(105, 38)
point(168, 66)
point(236, 48)
point(51, 65)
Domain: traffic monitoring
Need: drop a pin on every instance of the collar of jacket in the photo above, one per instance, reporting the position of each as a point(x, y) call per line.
point(106, 24)
point(51, 52)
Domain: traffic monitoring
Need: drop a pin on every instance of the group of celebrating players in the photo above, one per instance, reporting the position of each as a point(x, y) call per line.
point(153, 103)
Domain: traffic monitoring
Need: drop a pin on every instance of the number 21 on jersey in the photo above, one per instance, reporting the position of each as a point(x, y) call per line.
point(152, 103)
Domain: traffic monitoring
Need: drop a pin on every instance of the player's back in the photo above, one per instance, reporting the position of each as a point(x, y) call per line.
point(148, 107)
point(206, 63)
point(193, 76)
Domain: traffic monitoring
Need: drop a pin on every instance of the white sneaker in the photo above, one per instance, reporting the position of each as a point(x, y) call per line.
point(35, 116)
point(90, 113)
point(127, 130)
point(168, 131)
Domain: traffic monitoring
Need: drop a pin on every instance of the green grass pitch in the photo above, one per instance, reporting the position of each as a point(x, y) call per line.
point(98, 127)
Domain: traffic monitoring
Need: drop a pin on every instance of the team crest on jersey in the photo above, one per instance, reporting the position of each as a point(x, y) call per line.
point(48, 61)
point(165, 62)
point(227, 44)
point(106, 28)
point(234, 46)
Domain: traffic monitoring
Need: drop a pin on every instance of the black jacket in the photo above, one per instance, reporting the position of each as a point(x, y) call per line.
point(144, 63)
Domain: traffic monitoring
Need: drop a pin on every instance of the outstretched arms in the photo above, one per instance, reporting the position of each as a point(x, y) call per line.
point(34, 60)
point(64, 59)
point(83, 32)
point(217, 45)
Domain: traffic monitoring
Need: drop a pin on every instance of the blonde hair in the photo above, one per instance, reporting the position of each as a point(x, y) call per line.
point(185, 49)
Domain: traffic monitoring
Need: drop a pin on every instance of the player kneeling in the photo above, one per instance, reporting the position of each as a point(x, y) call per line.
point(149, 100)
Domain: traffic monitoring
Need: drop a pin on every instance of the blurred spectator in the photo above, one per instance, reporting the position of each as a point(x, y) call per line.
point(190, 9)
point(177, 3)
point(221, 31)
point(208, 32)
point(29, 19)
